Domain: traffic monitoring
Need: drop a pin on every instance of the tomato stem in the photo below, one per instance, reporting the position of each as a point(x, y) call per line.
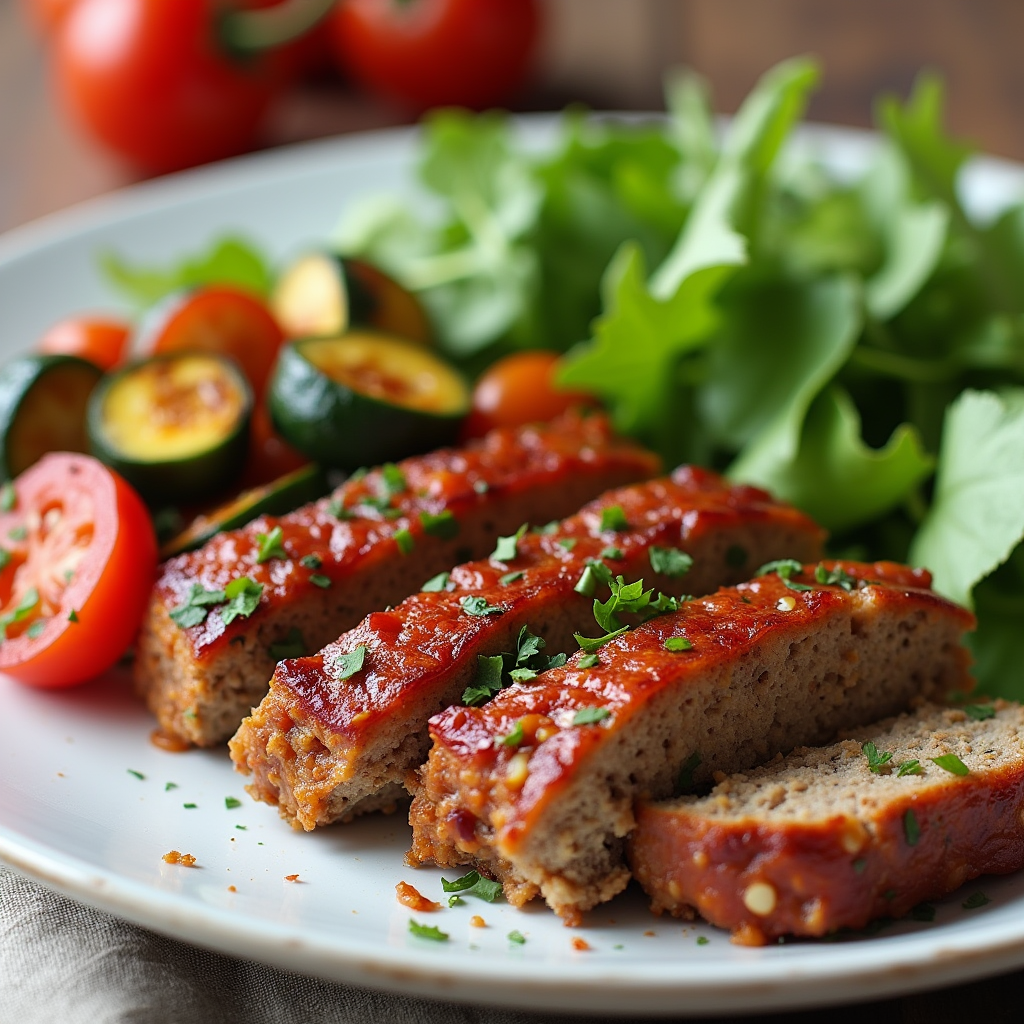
point(249, 32)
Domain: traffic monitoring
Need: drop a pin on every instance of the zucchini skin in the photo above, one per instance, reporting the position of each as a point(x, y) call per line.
point(343, 429)
point(17, 379)
point(175, 480)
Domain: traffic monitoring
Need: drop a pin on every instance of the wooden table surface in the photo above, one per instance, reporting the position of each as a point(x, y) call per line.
point(45, 165)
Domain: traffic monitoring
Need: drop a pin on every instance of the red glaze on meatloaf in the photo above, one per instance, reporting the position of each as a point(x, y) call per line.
point(819, 841)
point(367, 546)
point(537, 787)
point(323, 748)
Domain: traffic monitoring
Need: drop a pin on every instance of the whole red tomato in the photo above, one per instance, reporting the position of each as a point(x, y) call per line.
point(149, 79)
point(428, 53)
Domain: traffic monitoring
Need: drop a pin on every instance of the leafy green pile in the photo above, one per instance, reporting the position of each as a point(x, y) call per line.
point(857, 346)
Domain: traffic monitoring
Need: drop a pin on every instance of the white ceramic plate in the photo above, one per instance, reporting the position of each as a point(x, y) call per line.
point(74, 814)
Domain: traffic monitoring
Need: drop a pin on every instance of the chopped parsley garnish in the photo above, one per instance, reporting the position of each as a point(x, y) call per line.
point(425, 931)
point(522, 675)
point(923, 912)
point(197, 605)
point(436, 583)
point(590, 716)
point(25, 606)
point(670, 561)
point(473, 884)
point(231, 802)
point(37, 628)
point(736, 556)
point(8, 497)
point(479, 606)
point(190, 807)
point(837, 577)
point(911, 829)
point(613, 518)
point(702, 940)
point(513, 738)
point(169, 786)
point(380, 503)
point(678, 643)
point(347, 665)
point(909, 768)
point(588, 661)
point(951, 763)
point(684, 780)
point(394, 480)
point(242, 828)
point(243, 597)
point(403, 538)
point(507, 548)
point(5, 558)
point(138, 775)
point(980, 712)
point(336, 508)
point(547, 528)
point(877, 760)
point(443, 526)
point(784, 568)
point(975, 900)
point(481, 486)
point(318, 579)
point(292, 646)
point(487, 682)
point(568, 543)
point(270, 545)
point(510, 577)
point(517, 937)
point(311, 561)
point(587, 583)
point(454, 901)
point(615, 554)
point(591, 644)
point(18, 532)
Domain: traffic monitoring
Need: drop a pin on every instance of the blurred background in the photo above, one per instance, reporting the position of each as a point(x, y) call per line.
point(605, 53)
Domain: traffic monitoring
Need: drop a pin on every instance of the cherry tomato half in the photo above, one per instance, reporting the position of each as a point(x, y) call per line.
point(220, 319)
point(81, 562)
point(519, 389)
point(428, 53)
point(101, 341)
point(147, 78)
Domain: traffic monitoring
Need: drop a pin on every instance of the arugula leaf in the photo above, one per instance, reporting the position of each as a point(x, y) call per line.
point(977, 514)
point(228, 261)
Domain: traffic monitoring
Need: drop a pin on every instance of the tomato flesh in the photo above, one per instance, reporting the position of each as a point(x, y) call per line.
point(102, 341)
point(520, 389)
point(78, 540)
point(220, 319)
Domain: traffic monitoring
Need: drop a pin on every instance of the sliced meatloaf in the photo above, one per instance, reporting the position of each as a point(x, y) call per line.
point(830, 837)
point(537, 788)
point(325, 744)
point(201, 667)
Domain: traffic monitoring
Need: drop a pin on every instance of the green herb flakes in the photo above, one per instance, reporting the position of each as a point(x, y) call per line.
point(510, 577)
point(190, 806)
point(670, 561)
point(951, 763)
point(18, 532)
point(678, 643)
point(231, 802)
point(567, 543)
point(311, 561)
point(318, 579)
point(702, 940)
point(394, 480)
point(522, 675)
point(473, 884)
point(404, 540)
point(242, 828)
point(588, 661)
point(138, 775)
point(837, 577)
point(169, 786)
point(194, 609)
point(292, 646)
point(336, 508)
point(975, 900)
point(444, 525)
point(980, 712)
point(8, 497)
point(479, 606)
point(243, 596)
point(877, 760)
point(347, 665)
point(590, 716)
point(911, 829)
point(912, 767)
point(436, 584)
point(270, 545)
point(37, 628)
point(613, 517)
point(517, 937)
point(507, 548)
point(612, 553)
point(487, 682)
point(591, 644)
point(5, 558)
point(513, 738)
point(481, 486)
point(455, 901)
point(424, 931)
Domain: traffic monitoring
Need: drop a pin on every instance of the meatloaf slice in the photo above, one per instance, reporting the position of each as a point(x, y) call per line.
point(829, 838)
point(537, 788)
point(323, 747)
point(375, 539)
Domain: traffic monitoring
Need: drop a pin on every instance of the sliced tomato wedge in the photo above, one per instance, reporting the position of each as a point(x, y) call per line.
point(221, 319)
point(79, 556)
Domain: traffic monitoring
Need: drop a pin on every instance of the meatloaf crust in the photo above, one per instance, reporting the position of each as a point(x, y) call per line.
point(818, 841)
point(322, 749)
point(537, 787)
point(365, 547)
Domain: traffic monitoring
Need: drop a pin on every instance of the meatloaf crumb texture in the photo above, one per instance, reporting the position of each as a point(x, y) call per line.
point(201, 681)
point(770, 668)
point(319, 747)
point(817, 841)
